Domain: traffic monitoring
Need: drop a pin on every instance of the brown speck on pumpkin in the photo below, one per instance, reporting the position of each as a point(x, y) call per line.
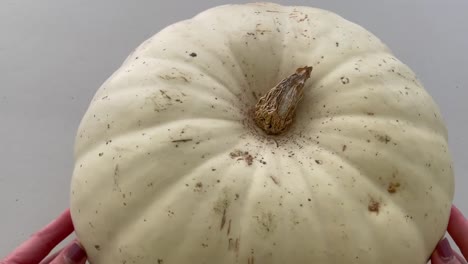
point(266, 222)
point(163, 93)
point(408, 217)
point(337, 44)
point(242, 155)
point(344, 147)
point(318, 162)
point(223, 219)
point(193, 54)
point(97, 247)
point(229, 227)
point(233, 245)
point(393, 187)
point(182, 140)
point(275, 180)
point(373, 206)
point(383, 138)
point(344, 80)
point(160, 261)
point(101, 154)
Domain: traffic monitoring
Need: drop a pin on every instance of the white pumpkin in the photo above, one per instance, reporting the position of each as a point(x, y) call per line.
point(172, 168)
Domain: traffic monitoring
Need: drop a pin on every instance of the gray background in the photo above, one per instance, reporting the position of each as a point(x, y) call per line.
point(54, 54)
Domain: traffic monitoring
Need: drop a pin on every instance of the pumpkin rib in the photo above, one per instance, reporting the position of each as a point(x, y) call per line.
point(136, 216)
point(383, 190)
point(196, 69)
point(99, 144)
point(402, 123)
point(151, 204)
point(344, 62)
point(423, 134)
point(362, 226)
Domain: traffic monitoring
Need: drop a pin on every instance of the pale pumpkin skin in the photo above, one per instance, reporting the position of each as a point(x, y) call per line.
point(162, 175)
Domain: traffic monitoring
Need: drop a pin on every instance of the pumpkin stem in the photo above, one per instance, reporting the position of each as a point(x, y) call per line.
point(274, 112)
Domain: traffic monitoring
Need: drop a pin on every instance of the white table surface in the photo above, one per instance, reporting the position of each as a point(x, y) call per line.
point(54, 54)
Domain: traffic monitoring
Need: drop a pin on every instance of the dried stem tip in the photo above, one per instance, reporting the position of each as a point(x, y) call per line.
point(274, 112)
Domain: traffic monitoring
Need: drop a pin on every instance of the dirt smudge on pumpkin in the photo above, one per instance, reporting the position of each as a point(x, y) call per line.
point(116, 178)
point(198, 187)
point(266, 222)
point(168, 77)
point(262, 31)
point(298, 16)
point(294, 217)
point(373, 206)
point(182, 140)
point(229, 227)
point(242, 155)
point(162, 101)
point(344, 80)
point(393, 187)
point(234, 244)
point(223, 219)
point(164, 94)
point(383, 138)
point(275, 180)
point(221, 206)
